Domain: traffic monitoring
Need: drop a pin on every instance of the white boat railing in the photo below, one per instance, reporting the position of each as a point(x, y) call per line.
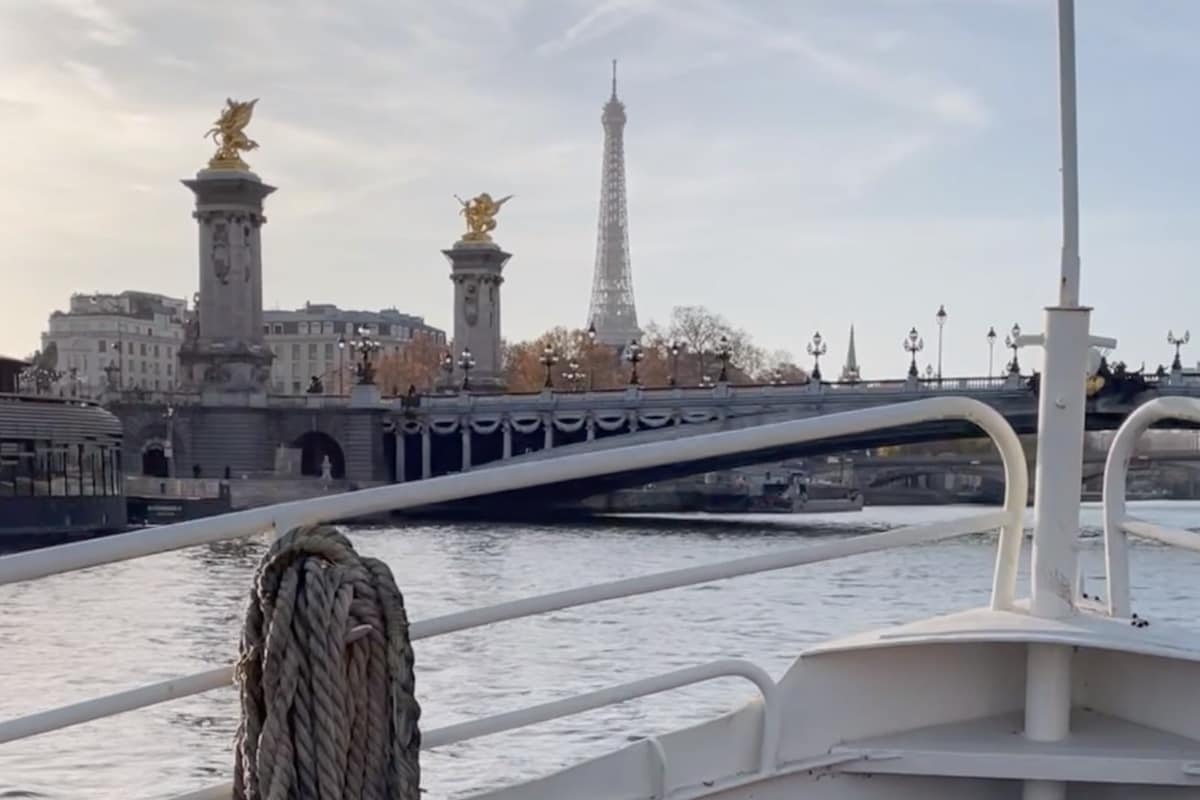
point(1118, 523)
point(283, 517)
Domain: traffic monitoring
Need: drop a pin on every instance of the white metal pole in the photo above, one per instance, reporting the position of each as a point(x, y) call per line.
point(1061, 411)
point(1068, 294)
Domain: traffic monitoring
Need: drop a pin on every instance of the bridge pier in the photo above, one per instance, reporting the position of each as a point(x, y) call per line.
point(398, 438)
point(466, 447)
point(506, 430)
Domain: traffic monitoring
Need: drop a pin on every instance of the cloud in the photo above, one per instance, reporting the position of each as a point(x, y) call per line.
point(104, 26)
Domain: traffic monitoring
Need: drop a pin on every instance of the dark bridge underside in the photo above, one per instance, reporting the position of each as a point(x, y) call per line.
point(562, 498)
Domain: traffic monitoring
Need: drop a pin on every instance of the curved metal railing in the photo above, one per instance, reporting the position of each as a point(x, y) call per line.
point(1118, 523)
point(283, 517)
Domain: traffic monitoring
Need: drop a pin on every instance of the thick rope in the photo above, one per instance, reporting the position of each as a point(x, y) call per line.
point(326, 678)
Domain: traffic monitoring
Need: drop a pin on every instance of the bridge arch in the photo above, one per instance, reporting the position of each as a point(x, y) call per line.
point(155, 463)
point(314, 447)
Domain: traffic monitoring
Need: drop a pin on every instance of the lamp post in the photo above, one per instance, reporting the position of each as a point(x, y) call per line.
point(929, 372)
point(573, 376)
point(365, 346)
point(633, 354)
point(817, 348)
point(675, 349)
point(341, 343)
point(913, 345)
point(724, 352)
point(591, 359)
point(448, 368)
point(1177, 364)
point(548, 359)
point(1010, 341)
point(169, 445)
point(991, 340)
point(940, 316)
point(466, 362)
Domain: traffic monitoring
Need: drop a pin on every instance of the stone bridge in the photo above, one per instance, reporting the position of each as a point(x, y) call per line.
point(369, 439)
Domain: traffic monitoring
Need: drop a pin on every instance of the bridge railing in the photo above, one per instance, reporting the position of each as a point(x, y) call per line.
point(283, 517)
point(1118, 523)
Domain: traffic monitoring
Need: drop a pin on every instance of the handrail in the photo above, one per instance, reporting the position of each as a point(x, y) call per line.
point(200, 682)
point(1117, 522)
point(588, 701)
point(284, 516)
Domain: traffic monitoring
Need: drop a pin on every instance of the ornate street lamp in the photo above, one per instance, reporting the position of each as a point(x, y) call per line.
point(1177, 364)
point(817, 348)
point(549, 359)
point(724, 352)
point(591, 359)
point(991, 340)
point(675, 349)
point(111, 383)
point(913, 345)
point(341, 367)
point(365, 346)
point(466, 362)
point(1010, 341)
point(633, 354)
point(448, 368)
point(573, 376)
point(929, 372)
point(940, 316)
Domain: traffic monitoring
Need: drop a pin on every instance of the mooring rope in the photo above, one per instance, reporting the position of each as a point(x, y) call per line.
point(326, 678)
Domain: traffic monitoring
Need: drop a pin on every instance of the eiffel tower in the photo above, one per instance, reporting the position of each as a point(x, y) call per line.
point(612, 314)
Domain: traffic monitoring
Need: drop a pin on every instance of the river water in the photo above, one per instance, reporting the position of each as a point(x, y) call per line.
point(101, 630)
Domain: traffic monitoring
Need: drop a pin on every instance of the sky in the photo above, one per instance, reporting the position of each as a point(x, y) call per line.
point(795, 165)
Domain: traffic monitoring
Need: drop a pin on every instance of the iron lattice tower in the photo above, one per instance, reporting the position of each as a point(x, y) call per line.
point(612, 309)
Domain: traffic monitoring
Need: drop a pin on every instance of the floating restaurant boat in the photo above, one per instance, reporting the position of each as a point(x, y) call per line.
point(60, 469)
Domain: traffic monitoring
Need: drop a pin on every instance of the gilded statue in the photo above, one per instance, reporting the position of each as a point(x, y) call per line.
point(481, 216)
point(229, 132)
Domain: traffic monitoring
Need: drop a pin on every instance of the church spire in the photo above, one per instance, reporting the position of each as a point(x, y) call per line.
point(850, 372)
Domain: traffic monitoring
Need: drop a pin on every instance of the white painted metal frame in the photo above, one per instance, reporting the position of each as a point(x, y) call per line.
point(35, 564)
point(532, 715)
point(1117, 521)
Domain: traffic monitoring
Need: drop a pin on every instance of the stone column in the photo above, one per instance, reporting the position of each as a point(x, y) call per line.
point(426, 453)
point(224, 353)
point(548, 438)
point(466, 446)
point(475, 269)
point(506, 436)
point(400, 440)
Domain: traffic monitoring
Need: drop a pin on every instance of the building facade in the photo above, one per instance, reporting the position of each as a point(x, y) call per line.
point(131, 339)
point(314, 341)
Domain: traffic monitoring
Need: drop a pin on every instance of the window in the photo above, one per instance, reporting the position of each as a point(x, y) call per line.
point(278, 328)
point(156, 351)
point(131, 348)
point(304, 327)
point(295, 352)
point(143, 371)
point(170, 352)
point(329, 351)
point(143, 348)
point(295, 387)
point(295, 369)
point(149, 331)
point(156, 383)
point(266, 328)
point(169, 365)
point(102, 346)
point(312, 351)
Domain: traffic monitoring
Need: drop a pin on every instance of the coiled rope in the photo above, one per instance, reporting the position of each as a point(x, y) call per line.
point(326, 678)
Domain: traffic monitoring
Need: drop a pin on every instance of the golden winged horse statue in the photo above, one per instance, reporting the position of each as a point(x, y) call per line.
point(480, 212)
point(229, 134)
